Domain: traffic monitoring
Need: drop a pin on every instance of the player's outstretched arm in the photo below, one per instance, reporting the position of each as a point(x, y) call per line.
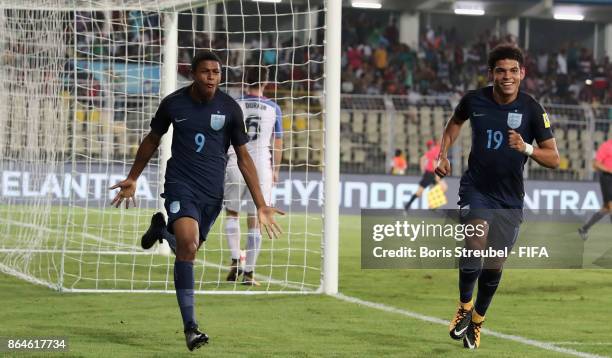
point(451, 132)
point(265, 214)
point(128, 186)
point(546, 154)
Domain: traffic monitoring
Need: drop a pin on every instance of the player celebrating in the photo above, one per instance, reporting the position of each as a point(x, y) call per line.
point(505, 121)
point(427, 164)
point(206, 121)
point(263, 119)
point(603, 164)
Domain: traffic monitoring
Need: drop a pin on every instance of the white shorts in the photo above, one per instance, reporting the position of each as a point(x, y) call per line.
point(237, 196)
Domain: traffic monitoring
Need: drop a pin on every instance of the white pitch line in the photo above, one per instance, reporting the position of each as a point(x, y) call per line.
point(582, 343)
point(531, 342)
point(10, 271)
point(197, 292)
point(60, 251)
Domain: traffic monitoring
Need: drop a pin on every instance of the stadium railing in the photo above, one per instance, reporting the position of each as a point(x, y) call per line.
point(372, 127)
point(377, 125)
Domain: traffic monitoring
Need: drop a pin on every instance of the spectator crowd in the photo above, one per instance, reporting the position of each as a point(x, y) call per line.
point(374, 61)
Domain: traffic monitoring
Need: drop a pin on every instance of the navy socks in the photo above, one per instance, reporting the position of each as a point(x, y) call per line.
point(184, 284)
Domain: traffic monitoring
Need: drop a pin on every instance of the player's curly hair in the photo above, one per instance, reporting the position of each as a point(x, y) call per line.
point(255, 76)
point(204, 56)
point(505, 51)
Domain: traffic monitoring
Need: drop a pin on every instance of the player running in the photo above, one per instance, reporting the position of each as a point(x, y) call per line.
point(263, 122)
point(263, 119)
point(206, 121)
point(603, 164)
point(427, 164)
point(505, 121)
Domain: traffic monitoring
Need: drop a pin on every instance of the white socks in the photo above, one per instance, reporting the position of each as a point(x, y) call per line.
point(232, 232)
point(253, 246)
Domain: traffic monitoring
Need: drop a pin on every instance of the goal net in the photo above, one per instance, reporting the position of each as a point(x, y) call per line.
point(79, 83)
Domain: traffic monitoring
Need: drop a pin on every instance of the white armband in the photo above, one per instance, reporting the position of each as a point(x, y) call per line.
point(528, 149)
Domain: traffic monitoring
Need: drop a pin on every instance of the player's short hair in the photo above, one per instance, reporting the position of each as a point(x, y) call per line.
point(256, 76)
point(505, 52)
point(398, 152)
point(204, 56)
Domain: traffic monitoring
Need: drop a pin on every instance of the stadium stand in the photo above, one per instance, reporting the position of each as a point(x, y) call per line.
point(394, 96)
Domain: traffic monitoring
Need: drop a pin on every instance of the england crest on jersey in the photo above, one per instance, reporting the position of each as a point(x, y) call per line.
point(217, 121)
point(514, 120)
point(175, 206)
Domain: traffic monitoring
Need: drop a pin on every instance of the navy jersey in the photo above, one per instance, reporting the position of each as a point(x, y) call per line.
point(495, 169)
point(202, 134)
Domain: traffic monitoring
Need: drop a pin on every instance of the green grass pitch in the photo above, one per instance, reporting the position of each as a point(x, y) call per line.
point(570, 307)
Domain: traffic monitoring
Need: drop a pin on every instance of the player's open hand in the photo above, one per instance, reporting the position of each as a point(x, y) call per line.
point(127, 191)
point(265, 215)
point(443, 167)
point(516, 141)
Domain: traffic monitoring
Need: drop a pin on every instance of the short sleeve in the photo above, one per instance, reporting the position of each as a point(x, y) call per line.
point(462, 111)
point(238, 133)
point(161, 121)
point(540, 123)
point(603, 152)
point(278, 124)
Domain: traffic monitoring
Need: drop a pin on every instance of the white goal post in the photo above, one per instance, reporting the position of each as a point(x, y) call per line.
point(80, 81)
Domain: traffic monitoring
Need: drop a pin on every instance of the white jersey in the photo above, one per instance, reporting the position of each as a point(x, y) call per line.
point(262, 118)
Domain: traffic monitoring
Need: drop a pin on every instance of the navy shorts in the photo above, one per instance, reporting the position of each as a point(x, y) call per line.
point(504, 222)
point(181, 202)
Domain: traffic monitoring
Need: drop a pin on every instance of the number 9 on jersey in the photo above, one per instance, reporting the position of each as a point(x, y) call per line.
point(199, 141)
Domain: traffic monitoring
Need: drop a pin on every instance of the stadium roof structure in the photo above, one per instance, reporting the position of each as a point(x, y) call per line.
point(101, 5)
point(593, 10)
